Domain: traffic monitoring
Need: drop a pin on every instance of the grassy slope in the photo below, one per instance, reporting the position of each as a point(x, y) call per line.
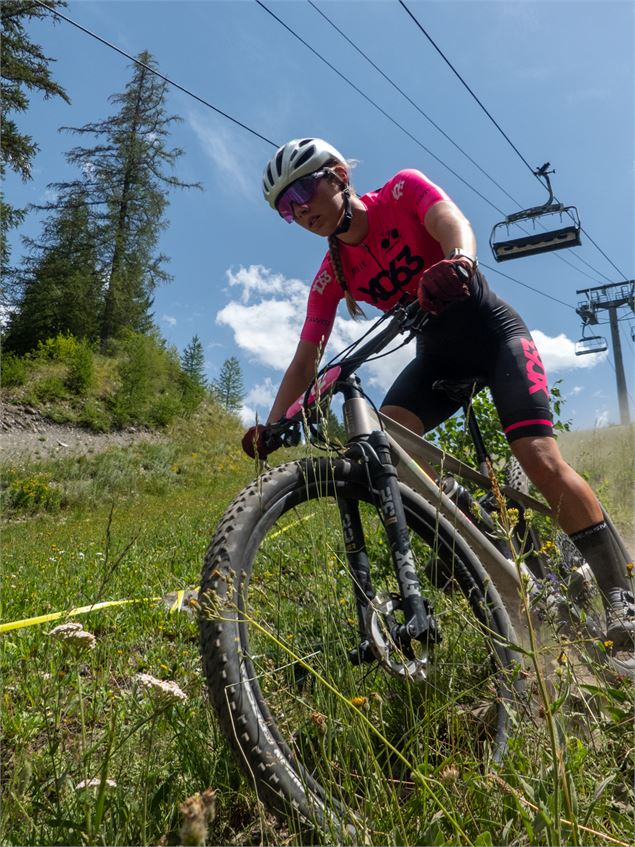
point(137, 525)
point(606, 457)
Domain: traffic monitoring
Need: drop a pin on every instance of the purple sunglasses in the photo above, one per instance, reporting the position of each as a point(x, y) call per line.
point(297, 194)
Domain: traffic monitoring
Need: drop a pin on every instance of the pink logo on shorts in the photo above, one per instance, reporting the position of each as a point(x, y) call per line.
point(535, 369)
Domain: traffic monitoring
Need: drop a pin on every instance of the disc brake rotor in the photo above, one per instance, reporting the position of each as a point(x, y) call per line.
point(380, 620)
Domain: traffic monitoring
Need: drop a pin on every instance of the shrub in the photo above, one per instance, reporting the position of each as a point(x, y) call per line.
point(149, 382)
point(81, 369)
point(13, 370)
point(60, 348)
point(31, 493)
point(49, 387)
point(93, 416)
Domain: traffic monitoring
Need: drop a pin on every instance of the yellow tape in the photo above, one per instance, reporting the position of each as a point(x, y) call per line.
point(284, 529)
point(84, 610)
point(177, 603)
point(80, 610)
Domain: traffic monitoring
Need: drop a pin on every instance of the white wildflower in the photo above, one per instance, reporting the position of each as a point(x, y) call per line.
point(74, 635)
point(94, 783)
point(161, 690)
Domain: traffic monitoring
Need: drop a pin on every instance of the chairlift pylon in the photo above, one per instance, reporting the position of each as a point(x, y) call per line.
point(565, 234)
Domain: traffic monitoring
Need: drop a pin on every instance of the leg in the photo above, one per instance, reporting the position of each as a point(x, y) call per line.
point(580, 516)
point(415, 424)
point(519, 387)
point(571, 497)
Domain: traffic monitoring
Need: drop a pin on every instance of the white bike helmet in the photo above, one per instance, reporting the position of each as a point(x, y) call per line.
point(293, 160)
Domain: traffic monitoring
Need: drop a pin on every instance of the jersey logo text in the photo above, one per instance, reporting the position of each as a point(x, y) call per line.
point(321, 281)
point(401, 270)
point(535, 369)
point(397, 191)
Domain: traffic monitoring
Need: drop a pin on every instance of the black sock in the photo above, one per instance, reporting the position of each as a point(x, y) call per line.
point(599, 547)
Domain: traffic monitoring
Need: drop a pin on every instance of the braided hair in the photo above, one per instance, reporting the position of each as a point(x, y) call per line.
point(354, 309)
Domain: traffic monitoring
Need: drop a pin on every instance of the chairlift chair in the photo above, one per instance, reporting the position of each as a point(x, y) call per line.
point(590, 344)
point(566, 232)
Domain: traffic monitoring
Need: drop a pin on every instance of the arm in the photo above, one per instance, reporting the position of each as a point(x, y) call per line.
point(297, 378)
point(448, 225)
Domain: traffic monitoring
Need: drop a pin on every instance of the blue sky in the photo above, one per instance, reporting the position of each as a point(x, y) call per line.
point(558, 78)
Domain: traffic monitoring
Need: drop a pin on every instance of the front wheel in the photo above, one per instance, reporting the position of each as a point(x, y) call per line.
point(322, 739)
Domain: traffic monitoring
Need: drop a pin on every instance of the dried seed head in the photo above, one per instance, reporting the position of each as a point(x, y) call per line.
point(197, 811)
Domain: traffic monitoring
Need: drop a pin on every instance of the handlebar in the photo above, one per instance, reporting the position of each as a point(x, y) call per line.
point(404, 317)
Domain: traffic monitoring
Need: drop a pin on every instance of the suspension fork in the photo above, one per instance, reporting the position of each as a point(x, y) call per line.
point(366, 438)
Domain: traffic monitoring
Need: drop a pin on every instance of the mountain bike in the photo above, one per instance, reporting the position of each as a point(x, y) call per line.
point(360, 620)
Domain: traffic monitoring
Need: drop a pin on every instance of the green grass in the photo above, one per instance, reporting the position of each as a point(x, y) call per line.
point(134, 524)
point(606, 458)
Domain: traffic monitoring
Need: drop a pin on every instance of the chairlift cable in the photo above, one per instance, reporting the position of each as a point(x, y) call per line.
point(446, 136)
point(156, 72)
point(377, 106)
point(457, 74)
point(410, 135)
point(496, 124)
point(525, 285)
point(275, 144)
point(412, 103)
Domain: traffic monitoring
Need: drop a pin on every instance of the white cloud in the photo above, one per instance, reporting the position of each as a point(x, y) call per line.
point(266, 314)
point(601, 418)
point(248, 415)
point(262, 395)
point(577, 389)
point(169, 319)
point(267, 317)
point(558, 353)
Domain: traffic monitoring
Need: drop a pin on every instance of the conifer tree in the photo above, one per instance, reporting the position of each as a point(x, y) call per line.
point(193, 361)
point(228, 387)
point(60, 282)
point(25, 69)
point(126, 177)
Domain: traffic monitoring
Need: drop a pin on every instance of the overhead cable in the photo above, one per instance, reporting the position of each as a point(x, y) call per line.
point(412, 102)
point(525, 285)
point(377, 106)
point(450, 139)
point(268, 140)
point(495, 122)
point(156, 73)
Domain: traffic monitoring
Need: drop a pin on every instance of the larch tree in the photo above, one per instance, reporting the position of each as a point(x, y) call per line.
point(126, 178)
point(228, 388)
point(193, 361)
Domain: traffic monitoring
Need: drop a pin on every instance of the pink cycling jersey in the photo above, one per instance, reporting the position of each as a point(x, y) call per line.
point(389, 261)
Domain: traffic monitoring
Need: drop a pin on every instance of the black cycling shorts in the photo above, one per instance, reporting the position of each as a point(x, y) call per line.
point(482, 338)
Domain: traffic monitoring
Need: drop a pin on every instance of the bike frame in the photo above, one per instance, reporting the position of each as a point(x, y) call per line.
point(512, 579)
point(362, 422)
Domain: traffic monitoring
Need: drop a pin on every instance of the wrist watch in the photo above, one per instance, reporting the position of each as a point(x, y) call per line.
point(458, 253)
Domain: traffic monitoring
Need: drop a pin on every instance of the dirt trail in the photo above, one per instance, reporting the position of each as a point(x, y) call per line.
point(25, 433)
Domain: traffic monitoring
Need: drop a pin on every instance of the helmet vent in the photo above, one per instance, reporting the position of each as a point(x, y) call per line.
point(305, 156)
point(279, 160)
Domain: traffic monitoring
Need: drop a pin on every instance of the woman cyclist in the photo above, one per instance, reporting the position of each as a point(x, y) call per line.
point(409, 238)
